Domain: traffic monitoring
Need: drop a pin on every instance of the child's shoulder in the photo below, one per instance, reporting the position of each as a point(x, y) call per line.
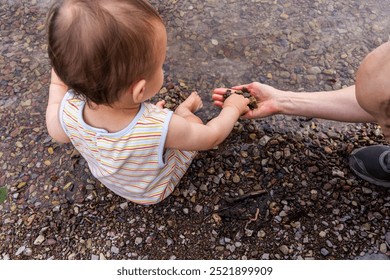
point(73, 101)
point(153, 111)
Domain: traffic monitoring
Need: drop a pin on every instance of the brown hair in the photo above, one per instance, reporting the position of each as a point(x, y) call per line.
point(99, 48)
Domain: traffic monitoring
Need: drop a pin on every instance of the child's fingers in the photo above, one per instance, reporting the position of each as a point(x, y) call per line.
point(161, 104)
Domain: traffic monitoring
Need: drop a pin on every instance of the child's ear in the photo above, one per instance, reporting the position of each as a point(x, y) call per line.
point(138, 91)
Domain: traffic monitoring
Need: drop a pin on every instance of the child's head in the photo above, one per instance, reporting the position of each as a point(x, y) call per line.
point(100, 48)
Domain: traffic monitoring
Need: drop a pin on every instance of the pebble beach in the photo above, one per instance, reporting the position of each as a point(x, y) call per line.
point(278, 188)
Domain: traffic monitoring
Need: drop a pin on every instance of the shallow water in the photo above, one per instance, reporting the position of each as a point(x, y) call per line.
point(295, 45)
point(224, 43)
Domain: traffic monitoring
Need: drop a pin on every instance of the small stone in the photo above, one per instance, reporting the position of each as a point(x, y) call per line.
point(220, 248)
point(282, 213)
point(20, 250)
point(264, 140)
point(328, 150)
point(231, 248)
point(114, 250)
point(366, 190)
point(163, 90)
point(28, 252)
point(383, 248)
point(284, 249)
point(214, 42)
point(333, 135)
point(18, 144)
point(315, 70)
point(313, 194)
point(26, 103)
point(322, 234)
point(51, 241)
point(39, 240)
point(124, 205)
point(338, 173)
point(217, 219)
point(329, 243)
point(21, 185)
point(324, 252)
point(387, 237)
point(329, 72)
point(313, 169)
point(278, 155)
point(211, 170)
point(265, 256)
point(138, 240)
point(198, 208)
point(284, 16)
point(287, 152)
point(328, 187)
point(67, 186)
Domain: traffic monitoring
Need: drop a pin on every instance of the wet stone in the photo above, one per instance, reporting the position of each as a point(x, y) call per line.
point(324, 252)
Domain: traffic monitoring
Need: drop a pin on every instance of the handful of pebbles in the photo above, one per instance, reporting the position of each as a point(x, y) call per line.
point(244, 92)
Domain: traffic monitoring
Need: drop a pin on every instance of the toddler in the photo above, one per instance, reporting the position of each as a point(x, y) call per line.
point(107, 58)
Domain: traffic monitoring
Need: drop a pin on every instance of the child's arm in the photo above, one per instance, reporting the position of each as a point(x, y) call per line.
point(193, 136)
point(57, 92)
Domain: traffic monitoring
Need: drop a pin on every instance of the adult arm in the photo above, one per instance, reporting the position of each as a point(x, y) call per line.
point(338, 105)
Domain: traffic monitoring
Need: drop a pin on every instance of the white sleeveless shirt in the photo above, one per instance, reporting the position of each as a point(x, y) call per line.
point(132, 162)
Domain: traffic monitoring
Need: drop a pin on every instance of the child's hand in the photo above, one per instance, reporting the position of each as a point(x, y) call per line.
point(237, 101)
point(266, 97)
point(161, 104)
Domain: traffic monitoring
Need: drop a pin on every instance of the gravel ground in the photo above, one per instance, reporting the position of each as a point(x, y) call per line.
point(277, 188)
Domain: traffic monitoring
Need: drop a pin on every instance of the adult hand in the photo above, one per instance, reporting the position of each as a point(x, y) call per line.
point(266, 97)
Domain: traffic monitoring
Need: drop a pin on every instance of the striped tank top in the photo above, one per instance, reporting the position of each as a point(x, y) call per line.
point(132, 162)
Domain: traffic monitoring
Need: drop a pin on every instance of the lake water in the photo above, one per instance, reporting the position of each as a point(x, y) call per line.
point(295, 45)
point(300, 44)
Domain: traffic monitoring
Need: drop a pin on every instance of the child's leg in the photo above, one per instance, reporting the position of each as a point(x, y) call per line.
point(187, 109)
